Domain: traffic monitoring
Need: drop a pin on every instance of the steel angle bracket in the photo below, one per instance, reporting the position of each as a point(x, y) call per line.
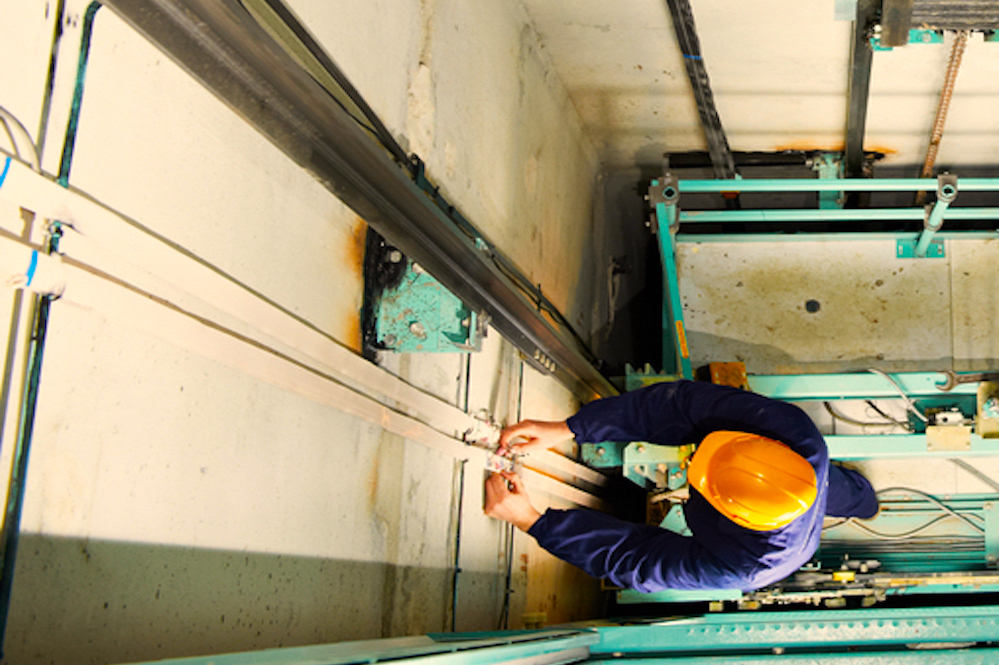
point(906, 248)
point(419, 315)
point(655, 466)
point(991, 512)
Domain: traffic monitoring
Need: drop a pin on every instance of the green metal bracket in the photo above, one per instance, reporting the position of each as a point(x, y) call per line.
point(631, 597)
point(648, 465)
point(676, 521)
point(829, 166)
point(915, 37)
point(654, 466)
point(906, 249)
point(635, 379)
point(991, 511)
point(604, 455)
point(420, 315)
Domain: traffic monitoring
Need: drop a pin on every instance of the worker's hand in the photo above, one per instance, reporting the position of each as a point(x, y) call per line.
point(530, 435)
point(507, 500)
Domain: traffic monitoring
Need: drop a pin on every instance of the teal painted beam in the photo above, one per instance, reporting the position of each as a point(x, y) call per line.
point(841, 629)
point(832, 185)
point(546, 646)
point(880, 446)
point(674, 333)
point(944, 656)
point(830, 215)
point(860, 385)
point(895, 236)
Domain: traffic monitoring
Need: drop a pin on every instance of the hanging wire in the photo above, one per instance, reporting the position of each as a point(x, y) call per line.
point(976, 473)
point(19, 135)
point(891, 422)
point(949, 512)
point(910, 404)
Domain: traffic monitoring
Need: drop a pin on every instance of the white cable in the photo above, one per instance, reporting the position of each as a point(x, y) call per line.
point(14, 126)
point(908, 400)
point(839, 416)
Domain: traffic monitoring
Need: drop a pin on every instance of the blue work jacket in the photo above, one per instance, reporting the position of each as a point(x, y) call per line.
point(720, 554)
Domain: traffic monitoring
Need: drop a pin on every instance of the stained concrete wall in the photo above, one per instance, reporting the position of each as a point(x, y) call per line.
point(178, 506)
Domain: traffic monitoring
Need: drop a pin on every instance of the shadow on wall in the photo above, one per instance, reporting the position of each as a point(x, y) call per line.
point(83, 601)
point(769, 359)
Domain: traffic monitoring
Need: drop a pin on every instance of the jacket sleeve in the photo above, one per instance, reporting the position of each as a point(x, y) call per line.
point(635, 556)
point(682, 412)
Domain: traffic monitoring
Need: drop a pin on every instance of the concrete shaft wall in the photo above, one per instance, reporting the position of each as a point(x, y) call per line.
point(177, 505)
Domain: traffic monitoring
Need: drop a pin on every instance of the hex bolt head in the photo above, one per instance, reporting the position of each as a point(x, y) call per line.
point(641, 449)
point(601, 451)
point(395, 256)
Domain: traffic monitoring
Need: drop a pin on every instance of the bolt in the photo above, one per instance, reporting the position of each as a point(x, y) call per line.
point(661, 468)
point(991, 558)
point(418, 269)
point(389, 340)
point(601, 451)
point(641, 448)
point(395, 256)
point(778, 651)
point(418, 329)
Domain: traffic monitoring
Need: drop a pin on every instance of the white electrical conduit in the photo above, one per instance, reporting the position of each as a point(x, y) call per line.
point(106, 242)
point(92, 290)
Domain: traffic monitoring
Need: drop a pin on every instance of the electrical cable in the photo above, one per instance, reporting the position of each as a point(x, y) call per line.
point(884, 415)
point(932, 499)
point(15, 126)
point(908, 534)
point(846, 419)
point(910, 404)
point(976, 473)
point(504, 619)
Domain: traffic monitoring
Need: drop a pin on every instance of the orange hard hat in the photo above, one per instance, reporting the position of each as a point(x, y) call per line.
point(756, 482)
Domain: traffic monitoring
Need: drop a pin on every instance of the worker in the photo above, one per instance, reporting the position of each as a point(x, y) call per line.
point(760, 485)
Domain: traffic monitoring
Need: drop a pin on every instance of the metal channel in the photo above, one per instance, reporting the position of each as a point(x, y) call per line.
point(686, 36)
point(219, 43)
point(832, 185)
point(956, 14)
point(859, 87)
point(843, 629)
point(831, 215)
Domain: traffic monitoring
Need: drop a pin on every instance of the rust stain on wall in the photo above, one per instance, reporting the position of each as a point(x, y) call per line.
point(806, 145)
point(354, 254)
